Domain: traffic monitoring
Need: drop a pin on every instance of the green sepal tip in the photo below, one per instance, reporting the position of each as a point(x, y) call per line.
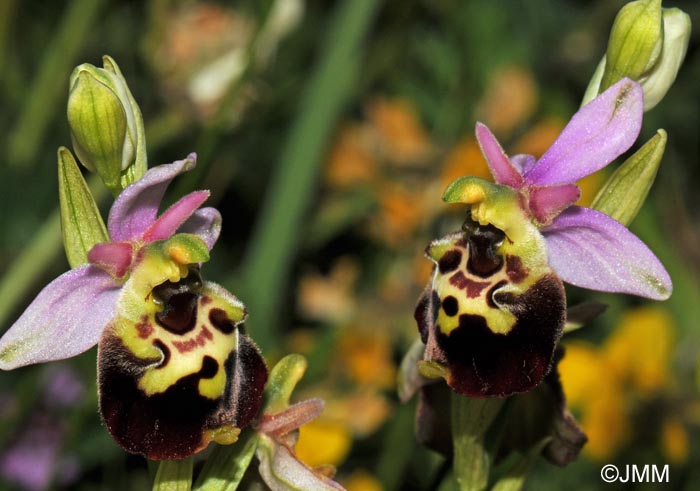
point(626, 189)
point(81, 224)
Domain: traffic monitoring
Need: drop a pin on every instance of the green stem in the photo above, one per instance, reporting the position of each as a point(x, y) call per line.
point(471, 419)
point(50, 83)
point(227, 464)
point(397, 448)
point(277, 234)
point(174, 475)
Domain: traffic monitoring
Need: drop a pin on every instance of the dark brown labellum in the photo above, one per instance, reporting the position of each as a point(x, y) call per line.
point(491, 317)
point(181, 376)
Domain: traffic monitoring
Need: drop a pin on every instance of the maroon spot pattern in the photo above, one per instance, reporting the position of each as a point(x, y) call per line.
point(200, 340)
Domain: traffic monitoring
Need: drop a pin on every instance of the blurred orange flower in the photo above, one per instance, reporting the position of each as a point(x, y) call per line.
point(465, 159)
point(400, 132)
point(509, 101)
point(350, 162)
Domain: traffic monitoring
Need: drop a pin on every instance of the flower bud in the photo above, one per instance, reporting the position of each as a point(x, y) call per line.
point(106, 125)
point(647, 44)
point(659, 79)
point(635, 41)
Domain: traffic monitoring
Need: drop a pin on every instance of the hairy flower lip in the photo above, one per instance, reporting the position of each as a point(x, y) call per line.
point(56, 325)
point(586, 248)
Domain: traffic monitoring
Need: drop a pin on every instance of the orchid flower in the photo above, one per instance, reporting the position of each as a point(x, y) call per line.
point(69, 314)
point(176, 370)
point(586, 248)
point(494, 311)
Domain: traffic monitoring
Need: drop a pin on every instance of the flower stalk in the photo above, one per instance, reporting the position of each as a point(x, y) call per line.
point(471, 419)
point(174, 475)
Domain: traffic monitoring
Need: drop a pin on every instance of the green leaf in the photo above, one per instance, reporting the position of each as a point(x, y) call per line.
point(174, 475)
point(227, 464)
point(624, 193)
point(81, 224)
point(516, 475)
point(290, 193)
point(471, 419)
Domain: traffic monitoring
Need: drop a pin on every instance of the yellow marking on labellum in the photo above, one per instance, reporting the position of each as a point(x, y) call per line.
point(214, 387)
point(185, 352)
point(223, 435)
point(462, 292)
point(433, 369)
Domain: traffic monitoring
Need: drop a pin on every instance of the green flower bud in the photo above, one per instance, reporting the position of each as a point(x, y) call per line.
point(647, 44)
point(106, 125)
point(635, 41)
point(659, 79)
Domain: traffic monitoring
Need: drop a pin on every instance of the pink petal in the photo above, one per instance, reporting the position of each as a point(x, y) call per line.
point(283, 471)
point(523, 163)
point(501, 168)
point(64, 320)
point(136, 208)
point(113, 257)
point(591, 250)
point(171, 220)
point(597, 134)
point(547, 202)
point(205, 223)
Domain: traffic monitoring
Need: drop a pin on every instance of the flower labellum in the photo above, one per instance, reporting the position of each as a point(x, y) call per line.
point(177, 371)
point(493, 313)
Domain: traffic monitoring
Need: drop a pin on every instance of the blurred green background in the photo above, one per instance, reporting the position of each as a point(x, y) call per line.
point(326, 132)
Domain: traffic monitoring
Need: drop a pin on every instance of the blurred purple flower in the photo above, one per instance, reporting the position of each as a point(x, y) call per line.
point(586, 247)
point(69, 314)
point(34, 460)
point(31, 461)
point(63, 388)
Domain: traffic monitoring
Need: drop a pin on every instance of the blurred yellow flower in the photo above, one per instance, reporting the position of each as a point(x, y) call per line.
point(674, 441)
point(590, 185)
point(323, 442)
point(362, 480)
point(640, 349)
point(604, 383)
point(510, 99)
